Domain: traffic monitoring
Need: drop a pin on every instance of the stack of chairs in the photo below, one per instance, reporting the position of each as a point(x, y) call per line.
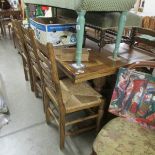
point(20, 45)
point(29, 41)
point(62, 99)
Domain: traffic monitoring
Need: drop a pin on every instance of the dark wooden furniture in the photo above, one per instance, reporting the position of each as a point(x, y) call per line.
point(143, 36)
point(100, 64)
point(14, 37)
point(28, 35)
point(102, 27)
point(15, 14)
point(63, 99)
point(4, 4)
point(23, 52)
point(5, 19)
point(102, 36)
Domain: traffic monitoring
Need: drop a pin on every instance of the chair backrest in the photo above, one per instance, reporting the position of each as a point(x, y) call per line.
point(16, 14)
point(134, 94)
point(150, 64)
point(5, 4)
point(19, 35)
point(145, 36)
point(28, 35)
point(49, 71)
point(148, 22)
point(12, 14)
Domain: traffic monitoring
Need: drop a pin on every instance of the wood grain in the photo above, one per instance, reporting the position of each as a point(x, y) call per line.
point(100, 64)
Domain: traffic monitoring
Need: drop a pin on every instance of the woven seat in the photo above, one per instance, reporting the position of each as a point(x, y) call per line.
point(133, 132)
point(124, 137)
point(79, 96)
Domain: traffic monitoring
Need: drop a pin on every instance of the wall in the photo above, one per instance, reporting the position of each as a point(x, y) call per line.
point(149, 7)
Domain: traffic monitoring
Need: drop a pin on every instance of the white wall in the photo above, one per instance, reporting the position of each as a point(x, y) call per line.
point(149, 7)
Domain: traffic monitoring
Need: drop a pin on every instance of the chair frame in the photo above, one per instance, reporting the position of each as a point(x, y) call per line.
point(6, 16)
point(135, 38)
point(23, 52)
point(28, 35)
point(54, 94)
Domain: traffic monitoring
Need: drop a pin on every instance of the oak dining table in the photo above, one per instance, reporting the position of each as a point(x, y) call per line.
point(101, 64)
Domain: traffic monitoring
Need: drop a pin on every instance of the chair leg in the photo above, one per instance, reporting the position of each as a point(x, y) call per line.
point(1, 29)
point(4, 30)
point(25, 71)
point(35, 87)
point(14, 39)
point(62, 131)
point(31, 77)
point(43, 97)
point(100, 115)
point(48, 116)
point(34, 79)
point(93, 152)
point(9, 28)
point(46, 106)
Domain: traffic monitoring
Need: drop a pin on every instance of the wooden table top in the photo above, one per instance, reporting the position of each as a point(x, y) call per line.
point(100, 64)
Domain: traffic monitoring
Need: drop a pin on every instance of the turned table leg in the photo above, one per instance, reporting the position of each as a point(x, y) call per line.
point(80, 34)
point(99, 83)
point(27, 10)
point(121, 27)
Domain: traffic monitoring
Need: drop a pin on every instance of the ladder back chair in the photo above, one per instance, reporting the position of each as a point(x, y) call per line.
point(28, 35)
point(16, 35)
point(22, 51)
point(143, 38)
point(62, 98)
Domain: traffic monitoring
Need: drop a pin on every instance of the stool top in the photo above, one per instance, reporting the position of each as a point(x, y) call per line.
point(107, 5)
point(88, 5)
point(119, 136)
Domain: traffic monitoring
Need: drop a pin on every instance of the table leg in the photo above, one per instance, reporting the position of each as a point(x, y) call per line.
point(121, 27)
point(99, 83)
point(80, 34)
point(27, 10)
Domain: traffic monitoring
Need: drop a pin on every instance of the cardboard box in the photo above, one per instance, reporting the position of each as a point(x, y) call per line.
point(69, 54)
point(57, 31)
